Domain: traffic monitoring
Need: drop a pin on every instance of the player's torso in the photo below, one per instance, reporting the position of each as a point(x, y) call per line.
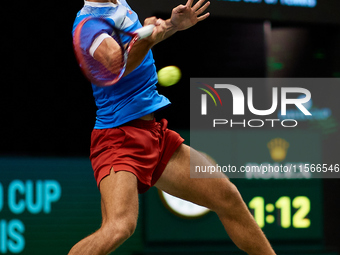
point(135, 95)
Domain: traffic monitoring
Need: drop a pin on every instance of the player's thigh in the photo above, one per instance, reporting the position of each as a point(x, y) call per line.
point(119, 198)
point(206, 191)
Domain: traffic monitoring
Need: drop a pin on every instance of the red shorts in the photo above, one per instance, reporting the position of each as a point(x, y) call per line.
point(142, 147)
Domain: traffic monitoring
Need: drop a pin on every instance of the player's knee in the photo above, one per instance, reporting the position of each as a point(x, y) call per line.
point(118, 231)
point(229, 198)
point(126, 229)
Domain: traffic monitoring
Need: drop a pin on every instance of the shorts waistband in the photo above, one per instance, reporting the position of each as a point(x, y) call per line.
point(138, 123)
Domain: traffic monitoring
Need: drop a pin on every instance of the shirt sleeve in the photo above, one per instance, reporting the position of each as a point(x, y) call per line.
point(93, 33)
point(97, 42)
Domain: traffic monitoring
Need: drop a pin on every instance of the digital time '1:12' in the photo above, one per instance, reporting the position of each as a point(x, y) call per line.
point(296, 218)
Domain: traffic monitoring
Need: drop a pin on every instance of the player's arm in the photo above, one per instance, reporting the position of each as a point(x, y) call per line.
point(186, 16)
point(108, 51)
point(182, 17)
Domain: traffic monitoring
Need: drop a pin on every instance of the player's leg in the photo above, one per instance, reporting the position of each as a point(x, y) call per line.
point(218, 194)
point(119, 203)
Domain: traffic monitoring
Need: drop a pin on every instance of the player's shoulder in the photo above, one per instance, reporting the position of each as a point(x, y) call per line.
point(119, 15)
point(92, 9)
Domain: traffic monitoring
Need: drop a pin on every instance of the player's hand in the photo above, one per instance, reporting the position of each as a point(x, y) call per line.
point(159, 31)
point(185, 16)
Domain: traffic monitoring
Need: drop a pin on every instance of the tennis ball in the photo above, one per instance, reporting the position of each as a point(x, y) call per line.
point(169, 75)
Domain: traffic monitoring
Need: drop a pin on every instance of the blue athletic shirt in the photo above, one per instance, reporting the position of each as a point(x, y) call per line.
point(135, 95)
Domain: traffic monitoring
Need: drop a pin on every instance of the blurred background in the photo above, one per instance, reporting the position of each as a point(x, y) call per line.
point(48, 196)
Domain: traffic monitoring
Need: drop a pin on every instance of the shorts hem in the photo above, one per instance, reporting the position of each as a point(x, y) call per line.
point(164, 162)
point(119, 168)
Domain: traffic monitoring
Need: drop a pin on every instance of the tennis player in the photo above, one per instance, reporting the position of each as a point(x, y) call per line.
point(131, 151)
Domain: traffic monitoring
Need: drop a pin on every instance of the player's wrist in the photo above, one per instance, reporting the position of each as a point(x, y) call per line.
point(170, 25)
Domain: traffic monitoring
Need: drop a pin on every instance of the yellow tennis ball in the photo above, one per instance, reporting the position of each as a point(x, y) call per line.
point(169, 75)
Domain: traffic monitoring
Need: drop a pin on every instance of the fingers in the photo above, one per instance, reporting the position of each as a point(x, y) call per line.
point(158, 31)
point(202, 9)
point(199, 4)
point(150, 21)
point(203, 17)
point(185, 16)
point(199, 9)
point(189, 3)
point(180, 8)
point(159, 22)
